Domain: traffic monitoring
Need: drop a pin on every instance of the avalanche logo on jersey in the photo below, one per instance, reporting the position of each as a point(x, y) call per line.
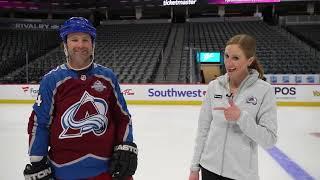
point(85, 116)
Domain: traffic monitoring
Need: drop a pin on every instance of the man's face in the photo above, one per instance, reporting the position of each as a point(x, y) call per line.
point(80, 48)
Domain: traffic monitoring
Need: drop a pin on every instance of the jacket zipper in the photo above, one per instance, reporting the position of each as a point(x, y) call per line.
point(226, 136)
point(250, 155)
point(225, 141)
point(224, 148)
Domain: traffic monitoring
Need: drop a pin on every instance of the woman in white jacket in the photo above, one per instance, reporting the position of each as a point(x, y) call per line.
point(238, 113)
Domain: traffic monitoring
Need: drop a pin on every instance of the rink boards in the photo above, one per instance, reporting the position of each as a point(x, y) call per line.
point(173, 94)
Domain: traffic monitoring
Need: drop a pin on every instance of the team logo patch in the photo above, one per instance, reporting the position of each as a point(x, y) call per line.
point(252, 100)
point(98, 86)
point(85, 116)
point(83, 77)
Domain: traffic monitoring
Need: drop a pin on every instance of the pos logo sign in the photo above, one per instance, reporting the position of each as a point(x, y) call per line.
point(285, 90)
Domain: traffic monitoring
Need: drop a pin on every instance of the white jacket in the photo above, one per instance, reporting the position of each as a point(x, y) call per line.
point(230, 148)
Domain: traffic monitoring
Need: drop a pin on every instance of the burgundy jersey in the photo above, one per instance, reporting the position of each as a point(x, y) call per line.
point(77, 119)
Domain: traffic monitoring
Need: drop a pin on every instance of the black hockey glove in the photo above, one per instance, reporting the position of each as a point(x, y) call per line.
point(124, 160)
point(38, 170)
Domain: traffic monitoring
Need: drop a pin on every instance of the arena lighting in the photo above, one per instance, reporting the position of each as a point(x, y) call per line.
point(241, 1)
point(18, 5)
point(33, 8)
point(178, 2)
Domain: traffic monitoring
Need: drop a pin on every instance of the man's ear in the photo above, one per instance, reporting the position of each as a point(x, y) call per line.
point(65, 50)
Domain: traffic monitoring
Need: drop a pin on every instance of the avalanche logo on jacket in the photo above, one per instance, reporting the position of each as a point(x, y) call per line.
point(85, 116)
point(252, 100)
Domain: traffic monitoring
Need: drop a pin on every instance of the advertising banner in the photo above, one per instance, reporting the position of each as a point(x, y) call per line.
point(170, 93)
point(178, 2)
point(167, 92)
point(36, 24)
point(293, 78)
point(297, 93)
point(19, 92)
point(241, 1)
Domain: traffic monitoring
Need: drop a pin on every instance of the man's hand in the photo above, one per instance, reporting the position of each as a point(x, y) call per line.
point(38, 170)
point(124, 160)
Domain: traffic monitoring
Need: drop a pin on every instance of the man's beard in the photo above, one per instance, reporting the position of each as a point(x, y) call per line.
point(81, 56)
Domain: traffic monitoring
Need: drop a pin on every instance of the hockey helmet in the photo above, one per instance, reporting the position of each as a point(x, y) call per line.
point(77, 24)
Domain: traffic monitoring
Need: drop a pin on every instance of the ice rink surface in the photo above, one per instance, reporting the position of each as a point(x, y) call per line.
point(165, 137)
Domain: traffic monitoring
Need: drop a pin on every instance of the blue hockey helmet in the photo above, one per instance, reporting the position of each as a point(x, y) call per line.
point(77, 24)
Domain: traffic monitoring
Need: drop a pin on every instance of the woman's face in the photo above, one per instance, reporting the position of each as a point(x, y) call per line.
point(236, 62)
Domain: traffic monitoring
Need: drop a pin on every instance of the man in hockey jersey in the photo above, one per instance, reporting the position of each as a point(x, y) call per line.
point(80, 127)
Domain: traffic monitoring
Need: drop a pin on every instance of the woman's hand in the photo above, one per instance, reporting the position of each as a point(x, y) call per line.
point(231, 113)
point(194, 175)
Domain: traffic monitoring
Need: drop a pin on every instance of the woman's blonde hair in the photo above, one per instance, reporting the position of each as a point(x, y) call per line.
point(248, 45)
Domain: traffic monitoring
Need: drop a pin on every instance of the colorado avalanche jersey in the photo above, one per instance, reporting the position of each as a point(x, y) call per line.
point(77, 120)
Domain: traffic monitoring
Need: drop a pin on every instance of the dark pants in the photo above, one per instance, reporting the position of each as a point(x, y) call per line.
point(207, 175)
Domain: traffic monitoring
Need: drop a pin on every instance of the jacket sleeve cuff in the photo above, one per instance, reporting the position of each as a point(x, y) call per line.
point(195, 168)
point(242, 117)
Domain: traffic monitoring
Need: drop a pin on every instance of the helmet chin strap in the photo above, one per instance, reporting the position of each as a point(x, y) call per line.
point(68, 58)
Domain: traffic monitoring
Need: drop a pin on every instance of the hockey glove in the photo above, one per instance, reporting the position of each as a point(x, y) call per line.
point(38, 170)
point(124, 160)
